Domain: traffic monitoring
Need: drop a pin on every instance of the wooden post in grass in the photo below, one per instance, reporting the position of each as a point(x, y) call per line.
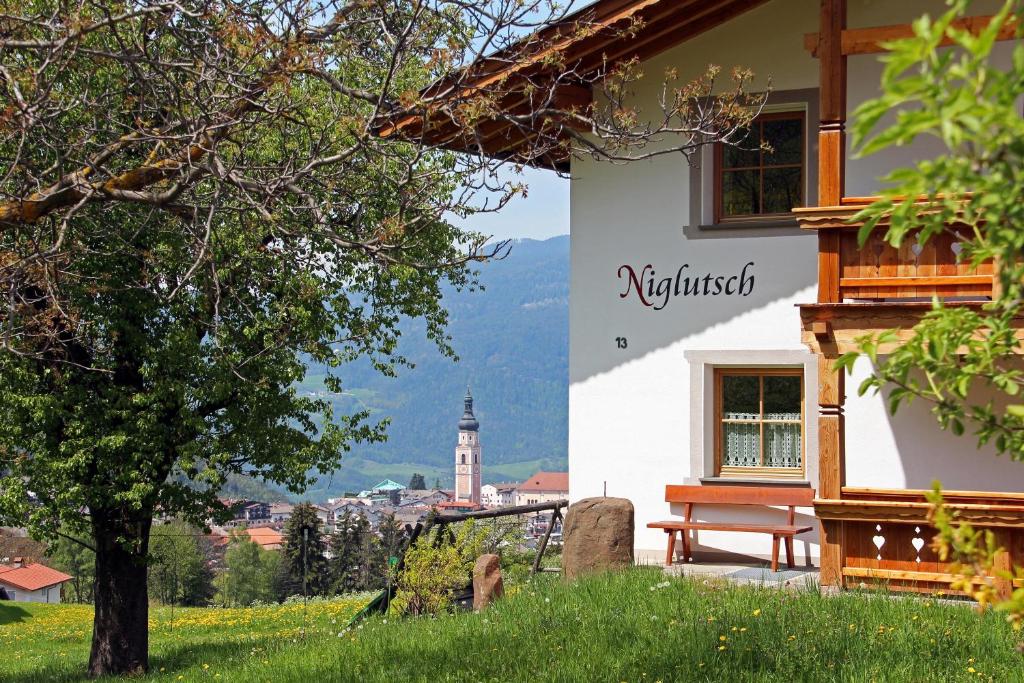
point(556, 515)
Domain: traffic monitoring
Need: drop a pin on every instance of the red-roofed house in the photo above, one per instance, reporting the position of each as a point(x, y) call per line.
point(458, 506)
point(266, 537)
point(31, 583)
point(543, 487)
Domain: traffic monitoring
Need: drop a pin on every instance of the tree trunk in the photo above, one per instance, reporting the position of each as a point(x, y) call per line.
point(120, 630)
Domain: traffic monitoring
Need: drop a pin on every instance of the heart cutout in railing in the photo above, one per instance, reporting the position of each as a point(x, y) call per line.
point(879, 541)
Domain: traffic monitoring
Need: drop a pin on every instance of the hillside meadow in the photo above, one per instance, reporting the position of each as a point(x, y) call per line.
point(634, 626)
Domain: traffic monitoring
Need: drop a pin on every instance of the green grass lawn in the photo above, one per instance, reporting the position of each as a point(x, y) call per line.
point(634, 626)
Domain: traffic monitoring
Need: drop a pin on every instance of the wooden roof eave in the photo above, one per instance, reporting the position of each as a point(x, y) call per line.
point(663, 24)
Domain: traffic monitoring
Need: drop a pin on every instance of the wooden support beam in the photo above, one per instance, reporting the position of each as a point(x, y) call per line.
point(831, 465)
point(453, 517)
point(832, 91)
point(828, 267)
point(864, 41)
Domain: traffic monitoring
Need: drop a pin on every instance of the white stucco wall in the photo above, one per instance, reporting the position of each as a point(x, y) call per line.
point(50, 594)
point(636, 414)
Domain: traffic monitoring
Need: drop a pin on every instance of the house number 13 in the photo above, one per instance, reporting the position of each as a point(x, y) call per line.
point(620, 342)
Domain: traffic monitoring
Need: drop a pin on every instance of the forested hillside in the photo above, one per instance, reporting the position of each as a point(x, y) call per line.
point(513, 347)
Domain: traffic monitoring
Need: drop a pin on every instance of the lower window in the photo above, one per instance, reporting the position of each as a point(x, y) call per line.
point(759, 422)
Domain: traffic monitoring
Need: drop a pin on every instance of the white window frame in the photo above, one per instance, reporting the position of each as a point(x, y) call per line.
point(702, 408)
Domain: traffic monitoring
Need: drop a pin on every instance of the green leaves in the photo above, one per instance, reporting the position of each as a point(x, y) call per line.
point(960, 359)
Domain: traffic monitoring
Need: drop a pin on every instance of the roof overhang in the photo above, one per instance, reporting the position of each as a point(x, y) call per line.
point(560, 61)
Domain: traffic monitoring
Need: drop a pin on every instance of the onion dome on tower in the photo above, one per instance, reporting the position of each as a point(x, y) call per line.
point(468, 422)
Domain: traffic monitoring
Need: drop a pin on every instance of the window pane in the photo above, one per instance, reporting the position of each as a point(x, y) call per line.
point(781, 444)
point(741, 444)
point(740, 397)
point(782, 189)
point(740, 190)
point(782, 397)
point(786, 137)
point(735, 157)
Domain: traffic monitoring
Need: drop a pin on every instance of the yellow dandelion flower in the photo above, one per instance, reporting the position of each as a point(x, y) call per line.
point(723, 638)
point(756, 613)
point(721, 647)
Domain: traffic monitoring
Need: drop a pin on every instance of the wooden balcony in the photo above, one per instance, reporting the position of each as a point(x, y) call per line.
point(877, 287)
point(887, 536)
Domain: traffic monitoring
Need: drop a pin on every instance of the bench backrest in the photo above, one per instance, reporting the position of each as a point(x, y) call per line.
point(789, 496)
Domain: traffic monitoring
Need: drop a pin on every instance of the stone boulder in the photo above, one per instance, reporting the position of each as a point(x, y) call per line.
point(597, 536)
point(487, 583)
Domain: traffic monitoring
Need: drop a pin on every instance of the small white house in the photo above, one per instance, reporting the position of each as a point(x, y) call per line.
point(498, 495)
point(31, 583)
point(543, 487)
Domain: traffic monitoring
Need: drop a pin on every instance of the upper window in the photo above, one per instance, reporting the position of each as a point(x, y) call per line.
point(759, 422)
point(754, 182)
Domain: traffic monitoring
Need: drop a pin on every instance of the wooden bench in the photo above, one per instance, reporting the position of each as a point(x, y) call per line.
point(789, 496)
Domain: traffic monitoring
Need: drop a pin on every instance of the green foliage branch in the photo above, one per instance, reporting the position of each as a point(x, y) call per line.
point(956, 354)
point(963, 99)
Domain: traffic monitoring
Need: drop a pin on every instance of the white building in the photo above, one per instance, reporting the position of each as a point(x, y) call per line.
point(707, 307)
point(31, 582)
point(498, 495)
point(543, 487)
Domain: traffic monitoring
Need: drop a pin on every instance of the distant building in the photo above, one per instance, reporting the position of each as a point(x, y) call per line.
point(543, 487)
point(266, 537)
point(411, 515)
point(383, 488)
point(498, 495)
point(458, 506)
point(280, 512)
point(468, 455)
point(355, 509)
point(246, 512)
point(417, 498)
point(32, 582)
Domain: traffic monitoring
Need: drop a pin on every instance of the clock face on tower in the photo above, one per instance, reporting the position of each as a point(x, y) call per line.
point(463, 469)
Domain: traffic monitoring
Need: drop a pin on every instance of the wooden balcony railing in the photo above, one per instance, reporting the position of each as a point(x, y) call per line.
point(887, 536)
point(877, 271)
point(870, 288)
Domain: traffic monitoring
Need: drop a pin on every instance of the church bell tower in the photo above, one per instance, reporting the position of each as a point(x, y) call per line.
point(468, 455)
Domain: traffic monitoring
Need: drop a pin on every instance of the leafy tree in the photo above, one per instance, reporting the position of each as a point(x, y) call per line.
point(249, 573)
point(176, 236)
point(179, 570)
point(304, 568)
point(351, 548)
point(437, 482)
point(961, 98)
point(435, 569)
point(74, 557)
point(417, 482)
point(392, 536)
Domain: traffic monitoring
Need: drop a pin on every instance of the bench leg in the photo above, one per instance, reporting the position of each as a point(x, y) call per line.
point(775, 553)
point(669, 556)
point(789, 552)
point(686, 545)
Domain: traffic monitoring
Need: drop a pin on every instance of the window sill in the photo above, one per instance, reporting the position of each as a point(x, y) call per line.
point(738, 480)
point(741, 223)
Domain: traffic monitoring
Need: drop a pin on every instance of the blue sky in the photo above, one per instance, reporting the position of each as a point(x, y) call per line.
point(543, 213)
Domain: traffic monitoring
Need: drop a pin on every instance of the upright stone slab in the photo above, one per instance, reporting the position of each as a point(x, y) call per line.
point(598, 536)
point(487, 583)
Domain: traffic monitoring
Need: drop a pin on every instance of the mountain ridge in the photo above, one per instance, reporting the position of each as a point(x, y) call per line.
point(512, 343)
